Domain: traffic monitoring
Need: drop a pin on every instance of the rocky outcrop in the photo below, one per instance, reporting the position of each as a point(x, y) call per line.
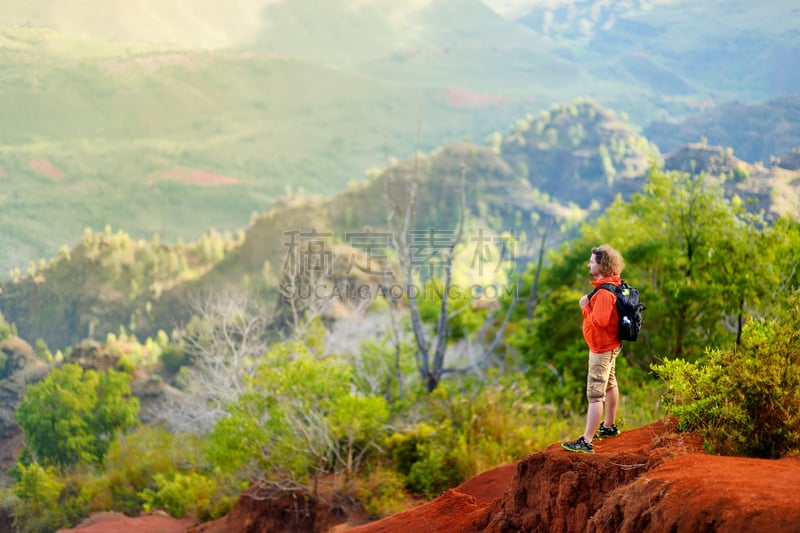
point(790, 161)
point(700, 158)
point(20, 368)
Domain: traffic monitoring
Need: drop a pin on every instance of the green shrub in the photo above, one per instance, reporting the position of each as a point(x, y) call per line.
point(6, 329)
point(44, 503)
point(173, 358)
point(437, 468)
point(383, 493)
point(426, 456)
point(479, 427)
point(134, 460)
point(190, 493)
point(743, 401)
point(402, 446)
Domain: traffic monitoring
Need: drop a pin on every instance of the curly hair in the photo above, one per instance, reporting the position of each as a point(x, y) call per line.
point(609, 259)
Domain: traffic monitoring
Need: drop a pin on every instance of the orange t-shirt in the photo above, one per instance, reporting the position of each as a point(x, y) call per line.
point(600, 318)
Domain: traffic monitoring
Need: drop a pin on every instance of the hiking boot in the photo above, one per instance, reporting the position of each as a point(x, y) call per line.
point(604, 432)
point(579, 445)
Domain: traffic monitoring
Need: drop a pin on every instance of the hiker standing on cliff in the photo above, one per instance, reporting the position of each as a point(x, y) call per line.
point(601, 332)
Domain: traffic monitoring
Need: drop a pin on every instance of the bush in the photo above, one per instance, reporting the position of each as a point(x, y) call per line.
point(382, 492)
point(173, 358)
point(743, 401)
point(190, 493)
point(44, 503)
point(426, 456)
point(438, 467)
point(482, 426)
point(6, 329)
point(133, 462)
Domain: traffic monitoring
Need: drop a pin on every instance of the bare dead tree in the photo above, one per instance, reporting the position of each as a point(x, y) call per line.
point(533, 298)
point(398, 354)
point(229, 333)
point(298, 304)
point(223, 341)
point(430, 354)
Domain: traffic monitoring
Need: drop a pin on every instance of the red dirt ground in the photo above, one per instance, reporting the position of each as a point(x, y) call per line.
point(44, 167)
point(651, 479)
point(193, 176)
point(119, 523)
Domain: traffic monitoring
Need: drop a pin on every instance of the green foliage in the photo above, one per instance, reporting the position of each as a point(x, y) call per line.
point(470, 430)
point(191, 493)
point(741, 173)
point(300, 416)
point(42, 351)
point(147, 469)
point(461, 324)
point(437, 467)
point(40, 507)
point(73, 415)
point(134, 459)
point(426, 456)
point(743, 401)
point(173, 357)
point(383, 492)
point(6, 329)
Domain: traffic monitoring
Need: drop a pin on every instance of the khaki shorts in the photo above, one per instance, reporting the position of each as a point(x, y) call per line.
point(601, 375)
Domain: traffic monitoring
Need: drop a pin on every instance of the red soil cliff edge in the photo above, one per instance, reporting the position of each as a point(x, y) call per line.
point(646, 480)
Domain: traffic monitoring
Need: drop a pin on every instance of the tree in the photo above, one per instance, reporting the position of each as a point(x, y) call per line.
point(224, 340)
point(73, 415)
point(430, 356)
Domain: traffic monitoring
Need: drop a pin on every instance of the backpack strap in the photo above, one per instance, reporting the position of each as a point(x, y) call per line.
point(610, 287)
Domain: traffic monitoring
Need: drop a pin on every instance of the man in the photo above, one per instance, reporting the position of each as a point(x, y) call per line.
point(600, 330)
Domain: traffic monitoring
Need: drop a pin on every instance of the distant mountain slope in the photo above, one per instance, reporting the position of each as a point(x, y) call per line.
point(579, 153)
point(725, 49)
point(347, 33)
point(756, 132)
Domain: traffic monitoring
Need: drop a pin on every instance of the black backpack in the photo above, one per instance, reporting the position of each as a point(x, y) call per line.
point(629, 309)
